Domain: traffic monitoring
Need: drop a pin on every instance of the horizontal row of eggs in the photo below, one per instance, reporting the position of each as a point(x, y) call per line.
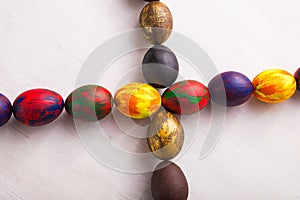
point(140, 100)
point(91, 102)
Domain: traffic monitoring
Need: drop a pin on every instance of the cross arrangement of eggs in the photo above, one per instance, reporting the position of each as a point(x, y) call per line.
point(140, 100)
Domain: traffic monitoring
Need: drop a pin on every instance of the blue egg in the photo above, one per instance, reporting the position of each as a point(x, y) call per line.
point(5, 110)
point(230, 88)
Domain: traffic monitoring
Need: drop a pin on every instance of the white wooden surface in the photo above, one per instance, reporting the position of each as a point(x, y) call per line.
point(43, 43)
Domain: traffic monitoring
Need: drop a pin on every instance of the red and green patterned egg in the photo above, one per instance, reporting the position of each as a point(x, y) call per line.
point(186, 97)
point(89, 103)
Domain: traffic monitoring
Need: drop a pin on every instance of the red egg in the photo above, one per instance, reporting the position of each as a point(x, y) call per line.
point(38, 107)
point(186, 97)
point(89, 103)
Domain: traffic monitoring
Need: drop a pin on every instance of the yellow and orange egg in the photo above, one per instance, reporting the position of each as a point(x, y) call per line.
point(274, 86)
point(137, 100)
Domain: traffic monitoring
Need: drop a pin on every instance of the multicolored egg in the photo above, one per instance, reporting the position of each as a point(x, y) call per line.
point(230, 89)
point(168, 182)
point(38, 107)
point(137, 100)
point(274, 86)
point(297, 78)
point(165, 135)
point(186, 97)
point(157, 22)
point(160, 66)
point(89, 103)
point(5, 109)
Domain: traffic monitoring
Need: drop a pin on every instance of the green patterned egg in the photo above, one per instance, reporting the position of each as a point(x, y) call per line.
point(89, 103)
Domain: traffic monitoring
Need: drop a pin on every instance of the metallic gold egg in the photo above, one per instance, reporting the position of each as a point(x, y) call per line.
point(157, 22)
point(165, 135)
point(274, 86)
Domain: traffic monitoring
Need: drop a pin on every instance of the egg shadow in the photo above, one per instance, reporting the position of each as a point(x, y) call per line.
point(296, 98)
point(258, 106)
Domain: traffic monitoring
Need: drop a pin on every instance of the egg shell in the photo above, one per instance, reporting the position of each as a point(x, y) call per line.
point(168, 182)
point(230, 88)
point(89, 103)
point(156, 21)
point(37, 107)
point(165, 135)
point(137, 100)
point(160, 66)
point(297, 78)
point(274, 86)
point(186, 97)
point(5, 110)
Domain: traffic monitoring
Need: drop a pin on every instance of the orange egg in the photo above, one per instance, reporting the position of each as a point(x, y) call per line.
point(137, 100)
point(274, 86)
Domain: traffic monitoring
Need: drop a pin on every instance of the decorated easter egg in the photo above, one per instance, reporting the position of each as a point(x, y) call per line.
point(168, 182)
point(160, 66)
point(37, 107)
point(274, 86)
point(165, 135)
point(230, 89)
point(186, 97)
point(297, 78)
point(137, 100)
point(157, 22)
point(89, 103)
point(5, 110)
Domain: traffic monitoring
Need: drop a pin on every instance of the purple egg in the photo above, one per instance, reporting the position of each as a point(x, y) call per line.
point(5, 110)
point(297, 77)
point(230, 88)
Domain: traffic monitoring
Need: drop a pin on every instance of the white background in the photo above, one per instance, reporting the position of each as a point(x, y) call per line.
point(43, 43)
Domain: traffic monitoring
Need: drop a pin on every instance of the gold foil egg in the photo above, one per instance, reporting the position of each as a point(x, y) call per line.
point(165, 135)
point(157, 22)
point(274, 86)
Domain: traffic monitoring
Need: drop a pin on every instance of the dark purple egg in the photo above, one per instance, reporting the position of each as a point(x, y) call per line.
point(297, 77)
point(160, 66)
point(37, 107)
point(169, 183)
point(230, 88)
point(5, 110)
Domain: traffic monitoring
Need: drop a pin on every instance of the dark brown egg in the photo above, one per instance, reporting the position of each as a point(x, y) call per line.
point(157, 22)
point(168, 182)
point(165, 135)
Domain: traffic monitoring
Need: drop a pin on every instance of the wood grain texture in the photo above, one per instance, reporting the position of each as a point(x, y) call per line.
point(45, 43)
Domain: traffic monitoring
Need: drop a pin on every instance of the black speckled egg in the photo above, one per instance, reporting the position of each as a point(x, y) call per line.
point(160, 66)
point(168, 182)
